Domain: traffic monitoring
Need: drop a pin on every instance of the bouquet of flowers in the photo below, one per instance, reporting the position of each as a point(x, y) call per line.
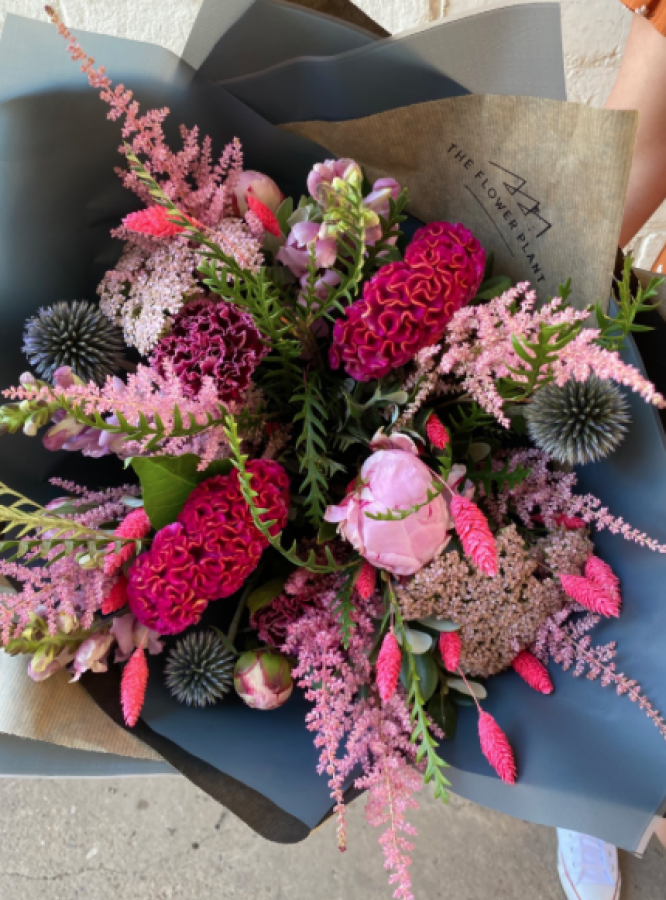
point(350, 448)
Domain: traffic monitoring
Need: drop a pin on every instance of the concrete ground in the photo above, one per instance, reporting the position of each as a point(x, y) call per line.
point(162, 838)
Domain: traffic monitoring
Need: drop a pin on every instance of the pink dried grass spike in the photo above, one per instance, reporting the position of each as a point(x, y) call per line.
point(477, 540)
point(389, 662)
point(116, 598)
point(133, 686)
point(265, 215)
point(602, 575)
point(134, 527)
point(496, 748)
point(154, 221)
point(366, 581)
point(437, 432)
point(450, 647)
point(590, 595)
point(533, 672)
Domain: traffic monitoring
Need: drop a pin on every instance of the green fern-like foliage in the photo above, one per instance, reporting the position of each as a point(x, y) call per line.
point(28, 528)
point(614, 329)
point(312, 417)
point(539, 356)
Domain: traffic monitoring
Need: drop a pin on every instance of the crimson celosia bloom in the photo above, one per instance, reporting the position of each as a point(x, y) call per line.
point(451, 255)
point(169, 586)
point(214, 339)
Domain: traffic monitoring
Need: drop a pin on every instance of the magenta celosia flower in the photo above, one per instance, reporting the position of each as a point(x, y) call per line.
point(394, 480)
point(258, 185)
point(169, 586)
point(214, 339)
point(451, 255)
point(296, 252)
point(155, 221)
point(402, 310)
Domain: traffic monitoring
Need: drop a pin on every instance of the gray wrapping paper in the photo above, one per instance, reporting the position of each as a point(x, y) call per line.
point(587, 759)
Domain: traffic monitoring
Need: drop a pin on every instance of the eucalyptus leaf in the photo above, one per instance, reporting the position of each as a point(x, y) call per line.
point(493, 287)
point(479, 451)
point(419, 642)
point(265, 594)
point(474, 690)
point(428, 673)
point(445, 625)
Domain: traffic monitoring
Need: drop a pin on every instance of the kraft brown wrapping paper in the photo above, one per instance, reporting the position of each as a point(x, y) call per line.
point(541, 183)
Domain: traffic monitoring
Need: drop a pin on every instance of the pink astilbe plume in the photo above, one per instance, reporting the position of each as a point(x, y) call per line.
point(477, 540)
point(481, 351)
point(601, 574)
point(389, 662)
point(366, 581)
point(496, 748)
point(533, 672)
point(450, 648)
point(437, 432)
point(133, 686)
point(590, 595)
point(134, 528)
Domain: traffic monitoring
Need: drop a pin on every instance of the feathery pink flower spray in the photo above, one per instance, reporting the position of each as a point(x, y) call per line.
point(366, 581)
point(389, 662)
point(133, 686)
point(590, 595)
point(438, 434)
point(477, 540)
point(450, 647)
point(533, 672)
point(134, 527)
point(602, 575)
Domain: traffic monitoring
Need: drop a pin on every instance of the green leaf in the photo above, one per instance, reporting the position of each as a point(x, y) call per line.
point(328, 531)
point(442, 710)
point(166, 483)
point(445, 625)
point(217, 467)
point(493, 287)
point(428, 673)
point(265, 594)
point(471, 688)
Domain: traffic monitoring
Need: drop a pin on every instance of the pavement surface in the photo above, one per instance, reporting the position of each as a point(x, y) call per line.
point(161, 838)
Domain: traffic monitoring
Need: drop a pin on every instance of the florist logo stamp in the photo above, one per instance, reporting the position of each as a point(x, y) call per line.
point(515, 214)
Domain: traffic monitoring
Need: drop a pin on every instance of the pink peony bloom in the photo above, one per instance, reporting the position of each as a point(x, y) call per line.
point(260, 186)
point(296, 252)
point(394, 480)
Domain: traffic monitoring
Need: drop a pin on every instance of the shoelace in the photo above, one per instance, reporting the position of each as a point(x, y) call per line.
point(594, 863)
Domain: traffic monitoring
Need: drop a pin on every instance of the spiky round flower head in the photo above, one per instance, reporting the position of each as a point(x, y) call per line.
point(200, 669)
point(579, 423)
point(77, 335)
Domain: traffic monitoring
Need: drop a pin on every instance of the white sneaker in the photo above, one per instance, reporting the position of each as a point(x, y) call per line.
point(587, 867)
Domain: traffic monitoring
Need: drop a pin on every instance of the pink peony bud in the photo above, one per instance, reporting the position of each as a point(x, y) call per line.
point(261, 187)
point(394, 480)
point(389, 662)
point(450, 647)
point(262, 679)
point(533, 672)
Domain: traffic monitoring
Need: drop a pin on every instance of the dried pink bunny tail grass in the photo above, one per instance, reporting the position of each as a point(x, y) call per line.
point(438, 434)
point(602, 575)
point(135, 526)
point(450, 648)
point(366, 581)
point(133, 686)
point(389, 662)
point(533, 672)
point(477, 540)
point(496, 748)
point(590, 595)
point(116, 598)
